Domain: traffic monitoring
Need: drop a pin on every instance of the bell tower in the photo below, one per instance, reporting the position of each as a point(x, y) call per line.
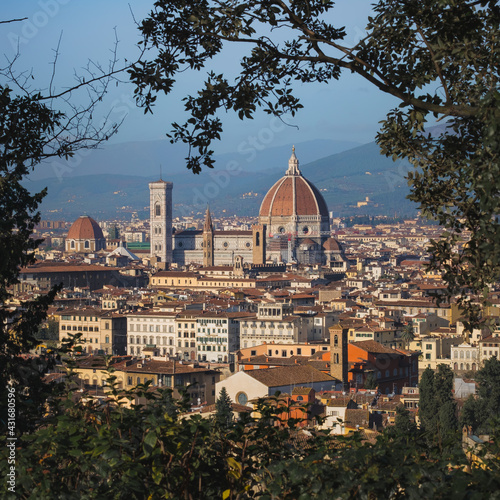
point(160, 221)
point(208, 240)
point(338, 353)
point(259, 244)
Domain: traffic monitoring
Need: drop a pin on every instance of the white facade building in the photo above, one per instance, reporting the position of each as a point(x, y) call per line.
point(151, 329)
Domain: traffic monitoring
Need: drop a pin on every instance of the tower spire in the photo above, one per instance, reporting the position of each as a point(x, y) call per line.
point(293, 164)
point(207, 226)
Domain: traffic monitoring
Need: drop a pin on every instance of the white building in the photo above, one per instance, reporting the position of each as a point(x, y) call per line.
point(272, 323)
point(465, 357)
point(154, 330)
point(218, 336)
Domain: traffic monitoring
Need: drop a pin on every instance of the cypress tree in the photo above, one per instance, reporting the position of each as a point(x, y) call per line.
point(223, 409)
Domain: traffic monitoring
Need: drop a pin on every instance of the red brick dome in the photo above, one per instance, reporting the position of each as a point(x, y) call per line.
point(85, 228)
point(332, 245)
point(293, 195)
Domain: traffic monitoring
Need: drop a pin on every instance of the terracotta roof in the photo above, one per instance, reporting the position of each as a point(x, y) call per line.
point(65, 268)
point(357, 417)
point(85, 228)
point(286, 375)
point(374, 347)
point(293, 195)
point(332, 245)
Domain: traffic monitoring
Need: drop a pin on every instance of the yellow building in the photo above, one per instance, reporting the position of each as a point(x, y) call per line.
point(197, 382)
point(101, 331)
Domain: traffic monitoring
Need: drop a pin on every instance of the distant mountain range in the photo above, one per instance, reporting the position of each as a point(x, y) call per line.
point(113, 182)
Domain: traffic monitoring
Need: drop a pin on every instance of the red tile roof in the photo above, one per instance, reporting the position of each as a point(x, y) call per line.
point(85, 228)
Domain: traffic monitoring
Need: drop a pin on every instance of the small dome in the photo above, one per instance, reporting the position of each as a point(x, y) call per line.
point(332, 245)
point(85, 228)
point(293, 195)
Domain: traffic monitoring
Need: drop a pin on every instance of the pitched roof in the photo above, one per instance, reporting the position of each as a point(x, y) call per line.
point(374, 347)
point(286, 375)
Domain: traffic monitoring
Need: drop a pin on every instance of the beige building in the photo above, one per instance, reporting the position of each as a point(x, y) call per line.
point(272, 323)
point(198, 382)
point(490, 346)
point(102, 332)
point(450, 312)
point(382, 335)
point(178, 280)
point(185, 327)
point(434, 350)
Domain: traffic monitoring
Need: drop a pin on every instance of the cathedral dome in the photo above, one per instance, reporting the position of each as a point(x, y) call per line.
point(293, 195)
point(85, 228)
point(332, 245)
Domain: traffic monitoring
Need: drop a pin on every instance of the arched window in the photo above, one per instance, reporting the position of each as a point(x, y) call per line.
point(72, 244)
point(336, 341)
point(87, 244)
point(157, 209)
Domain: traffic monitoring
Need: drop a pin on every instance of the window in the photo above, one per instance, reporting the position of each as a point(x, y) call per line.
point(242, 398)
point(157, 209)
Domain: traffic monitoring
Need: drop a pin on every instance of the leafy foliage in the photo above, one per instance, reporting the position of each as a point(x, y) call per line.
point(25, 124)
point(90, 450)
point(437, 408)
point(479, 412)
point(408, 334)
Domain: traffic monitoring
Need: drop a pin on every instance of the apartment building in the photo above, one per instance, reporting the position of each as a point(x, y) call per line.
point(218, 335)
point(272, 323)
point(151, 332)
point(102, 332)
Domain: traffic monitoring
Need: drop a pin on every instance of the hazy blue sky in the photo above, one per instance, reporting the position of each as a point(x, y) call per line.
point(349, 109)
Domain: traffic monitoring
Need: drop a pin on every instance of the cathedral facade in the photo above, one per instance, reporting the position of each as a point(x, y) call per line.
point(293, 227)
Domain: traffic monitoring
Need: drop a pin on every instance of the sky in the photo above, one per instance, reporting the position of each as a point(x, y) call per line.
point(345, 110)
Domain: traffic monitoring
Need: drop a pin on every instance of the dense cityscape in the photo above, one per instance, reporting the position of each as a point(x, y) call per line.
point(250, 250)
point(216, 308)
